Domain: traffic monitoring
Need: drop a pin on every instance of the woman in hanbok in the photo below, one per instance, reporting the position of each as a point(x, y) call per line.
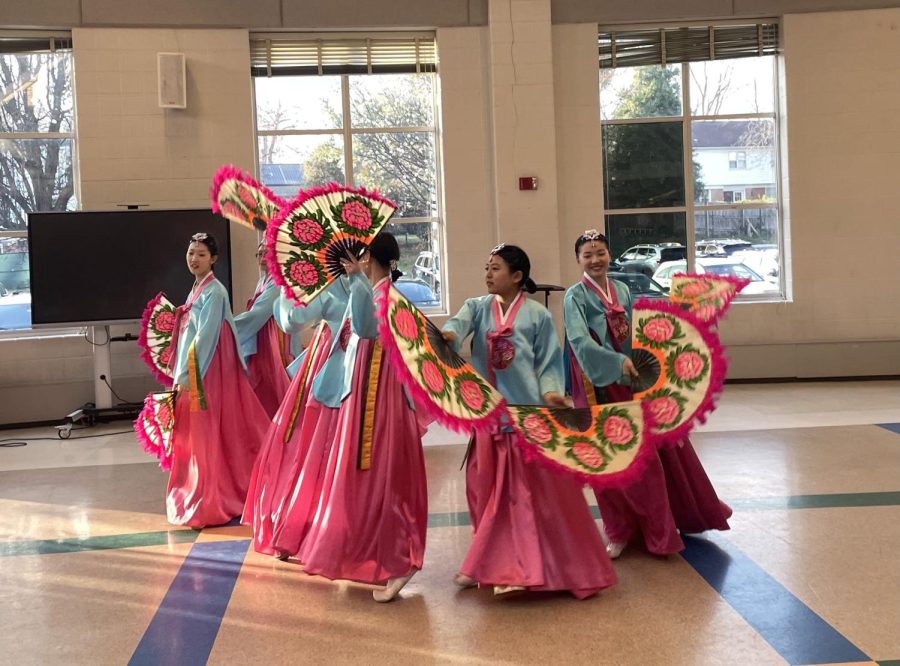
point(532, 528)
point(219, 422)
point(674, 491)
point(269, 508)
point(371, 508)
point(265, 347)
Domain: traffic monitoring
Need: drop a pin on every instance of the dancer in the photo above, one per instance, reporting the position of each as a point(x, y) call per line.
point(598, 334)
point(371, 511)
point(219, 422)
point(531, 528)
point(265, 347)
point(269, 508)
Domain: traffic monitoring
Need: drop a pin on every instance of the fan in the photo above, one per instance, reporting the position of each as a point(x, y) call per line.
point(707, 296)
point(239, 198)
point(647, 365)
point(447, 387)
point(155, 425)
point(309, 237)
point(604, 445)
point(155, 339)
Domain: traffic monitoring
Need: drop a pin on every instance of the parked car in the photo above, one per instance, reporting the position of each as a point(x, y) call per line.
point(758, 285)
point(428, 269)
point(15, 310)
point(646, 258)
point(418, 292)
point(640, 285)
point(721, 247)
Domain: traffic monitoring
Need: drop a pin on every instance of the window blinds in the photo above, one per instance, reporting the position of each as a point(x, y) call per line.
point(24, 41)
point(280, 54)
point(665, 45)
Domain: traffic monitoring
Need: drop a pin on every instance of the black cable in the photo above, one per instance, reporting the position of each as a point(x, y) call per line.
point(122, 401)
point(11, 442)
point(97, 344)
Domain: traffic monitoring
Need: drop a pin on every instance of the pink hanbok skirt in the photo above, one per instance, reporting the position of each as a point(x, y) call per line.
point(283, 455)
point(369, 524)
point(213, 449)
point(266, 367)
point(531, 527)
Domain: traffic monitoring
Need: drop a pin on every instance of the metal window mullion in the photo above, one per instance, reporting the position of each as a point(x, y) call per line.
point(13, 234)
point(688, 161)
point(347, 134)
point(390, 130)
point(298, 132)
point(737, 206)
point(644, 211)
point(737, 116)
point(37, 135)
point(779, 201)
point(415, 220)
point(639, 121)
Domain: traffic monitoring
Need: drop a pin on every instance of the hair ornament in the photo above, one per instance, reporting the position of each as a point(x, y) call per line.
point(497, 249)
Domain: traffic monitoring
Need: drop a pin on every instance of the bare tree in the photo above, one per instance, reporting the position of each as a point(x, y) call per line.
point(35, 173)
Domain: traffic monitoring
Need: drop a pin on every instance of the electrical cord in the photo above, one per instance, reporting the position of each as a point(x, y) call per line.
point(122, 401)
point(97, 344)
point(12, 442)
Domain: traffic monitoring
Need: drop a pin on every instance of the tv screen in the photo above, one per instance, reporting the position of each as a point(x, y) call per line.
point(103, 267)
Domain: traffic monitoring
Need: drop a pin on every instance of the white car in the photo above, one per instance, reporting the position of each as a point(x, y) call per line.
point(758, 285)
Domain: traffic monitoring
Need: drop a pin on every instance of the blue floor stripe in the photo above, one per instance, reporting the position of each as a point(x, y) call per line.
point(797, 633)
point(893, 427)
point(187, 621)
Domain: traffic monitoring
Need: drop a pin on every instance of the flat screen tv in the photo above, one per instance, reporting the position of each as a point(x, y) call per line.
point(96, 268)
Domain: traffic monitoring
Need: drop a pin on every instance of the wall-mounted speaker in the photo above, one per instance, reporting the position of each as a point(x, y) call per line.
point(171, 80)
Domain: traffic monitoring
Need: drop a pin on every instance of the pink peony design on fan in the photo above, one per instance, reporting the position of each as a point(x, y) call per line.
point(247, 197)
point(588, 455)
point(706, 312)
point(406, 324)
point(433, 376)
point(232, 210)
point(164, 416)
point(471, 394)
point(357, 215)
point(304, 273)
point(307, 231)
point(618, 430)
point(537, 429)
point(165, 356)
point(688, 366)
point(164, 322)
point(659, 329)
point(665, 410)
point(695, 288)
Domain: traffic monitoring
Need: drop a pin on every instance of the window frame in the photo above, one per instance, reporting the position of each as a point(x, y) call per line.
point(347, 132)
point(62, 331)
point(691, 206)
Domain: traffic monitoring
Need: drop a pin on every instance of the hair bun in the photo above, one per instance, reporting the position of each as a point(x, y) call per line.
point(529, 285)
point(396, 275)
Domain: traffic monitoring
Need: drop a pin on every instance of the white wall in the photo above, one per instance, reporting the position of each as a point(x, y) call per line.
point(129, 150)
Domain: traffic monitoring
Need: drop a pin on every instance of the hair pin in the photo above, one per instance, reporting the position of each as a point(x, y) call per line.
point(497, 249)
point(202, 236)
point(591, 235)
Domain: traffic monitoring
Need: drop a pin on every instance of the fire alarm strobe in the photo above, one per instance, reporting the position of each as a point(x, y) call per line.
point(528, 183)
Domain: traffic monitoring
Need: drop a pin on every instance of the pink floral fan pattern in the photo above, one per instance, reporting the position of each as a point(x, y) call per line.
point(708, 297)
point(691, 363)
point(604, 446)
point(239, 198)
point(155, 425)
point(157, 328)
point(443, 383)
point(308, 238)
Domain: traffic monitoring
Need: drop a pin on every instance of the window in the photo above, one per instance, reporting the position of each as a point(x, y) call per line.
point(376, 130)
point(690, 143)
point(737, 160)
point(37, 143)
